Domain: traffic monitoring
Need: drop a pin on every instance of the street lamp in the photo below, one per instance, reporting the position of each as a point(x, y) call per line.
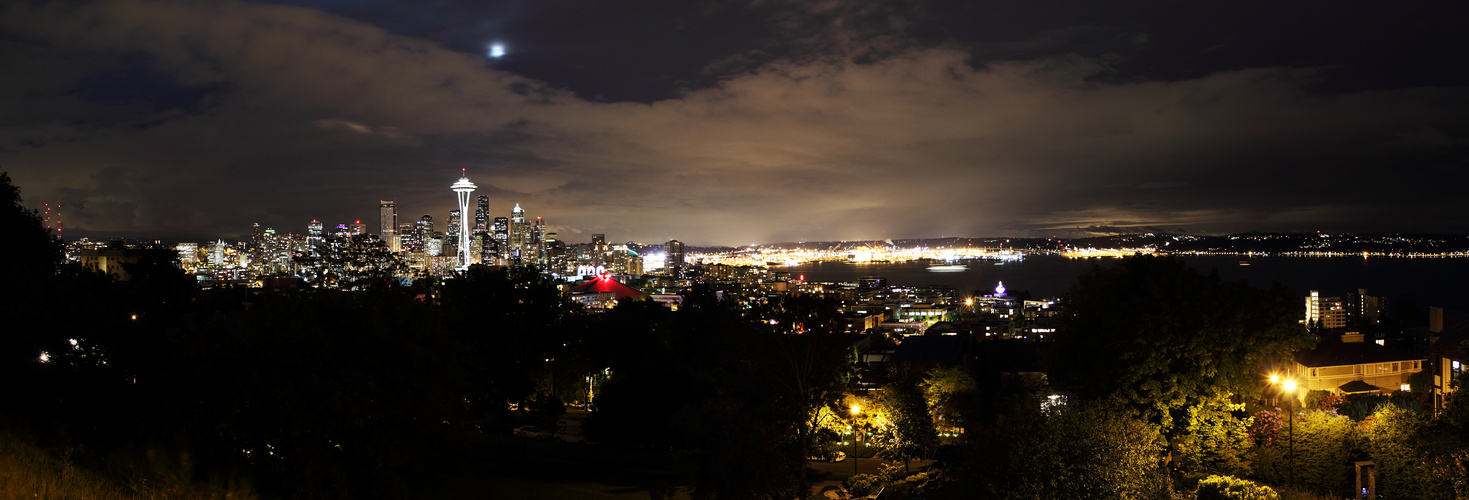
point(1290, 389)
point(856, 410)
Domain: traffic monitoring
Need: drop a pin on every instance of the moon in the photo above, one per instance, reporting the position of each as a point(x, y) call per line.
point(497, 50)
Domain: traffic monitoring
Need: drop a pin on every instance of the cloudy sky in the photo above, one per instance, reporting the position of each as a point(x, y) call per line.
point(736, 122)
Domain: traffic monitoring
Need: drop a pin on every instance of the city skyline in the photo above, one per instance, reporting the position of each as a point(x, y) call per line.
point(730, 124)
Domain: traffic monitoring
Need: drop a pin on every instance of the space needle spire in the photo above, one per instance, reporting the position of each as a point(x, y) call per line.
point(464, 189)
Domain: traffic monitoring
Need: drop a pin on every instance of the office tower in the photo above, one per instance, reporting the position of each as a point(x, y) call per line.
point(189, 254)
point(423, 229)
point(407, 236)
point(451, 233)
point(554, 252)
point(625, 261)
point(599, 250)
point(501, 231)
point(490, 246)
point(358, 228)
point(216, 254)
point(536, 246)
point(673, 258)
point(482, 215)
point(314, 236)
point(388, 224)
point(519, 234)
point(257, 242)
point(460, 234)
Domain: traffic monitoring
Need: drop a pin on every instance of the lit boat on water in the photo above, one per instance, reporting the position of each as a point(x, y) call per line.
point(947, 268)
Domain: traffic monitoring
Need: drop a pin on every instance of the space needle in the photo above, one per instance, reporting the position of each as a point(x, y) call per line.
point(463, 188)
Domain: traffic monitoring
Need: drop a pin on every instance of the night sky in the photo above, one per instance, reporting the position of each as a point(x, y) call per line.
point(722, 122)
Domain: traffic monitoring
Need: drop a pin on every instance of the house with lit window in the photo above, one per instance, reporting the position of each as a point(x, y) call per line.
point(1347, 365)
point(1449, 353)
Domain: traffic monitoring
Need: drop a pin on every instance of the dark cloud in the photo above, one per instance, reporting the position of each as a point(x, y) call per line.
point(842, 120)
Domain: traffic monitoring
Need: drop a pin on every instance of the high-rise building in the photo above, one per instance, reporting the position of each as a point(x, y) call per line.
point(625, 261)
point(407, 236)
point(537, 243)
point(519, 235)
point(1363, 309)
point(257, 242)
point(1326, 312)
point(599, 250)
point(189, 254)
point(673, 258)
point(424, 227)
point(501, 235)
point(451, 233)
point(388, 224)
point(482, 215)
point(314, 236)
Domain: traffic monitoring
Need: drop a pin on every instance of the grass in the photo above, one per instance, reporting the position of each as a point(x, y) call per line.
point(27, 471)
point(530, 489)
point(517, 468)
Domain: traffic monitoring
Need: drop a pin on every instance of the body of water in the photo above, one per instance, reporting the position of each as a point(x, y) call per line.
point(1435, 282)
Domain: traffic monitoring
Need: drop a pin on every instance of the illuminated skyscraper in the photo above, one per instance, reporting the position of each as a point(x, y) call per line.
point(463, 189)
point(451, 234)
point(407, 236)
point(388, 224)
point(673, 258)
point(519, 234)
point(537, 243)
point(501, 231)
point(600, 250)
point(482, 215)
point(314, 236)
point(257, 243)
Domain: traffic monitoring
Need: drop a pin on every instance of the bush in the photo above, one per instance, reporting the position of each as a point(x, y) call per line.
point(861, 484)
point(1075, 451)
point(1324, 400)
point(1325, 444)
point(1233, 488)
point(1413, 460)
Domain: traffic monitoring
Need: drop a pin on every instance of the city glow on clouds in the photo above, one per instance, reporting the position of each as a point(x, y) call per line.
point(300, 114)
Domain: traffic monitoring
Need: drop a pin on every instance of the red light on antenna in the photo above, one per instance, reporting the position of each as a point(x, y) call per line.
point(801, 278)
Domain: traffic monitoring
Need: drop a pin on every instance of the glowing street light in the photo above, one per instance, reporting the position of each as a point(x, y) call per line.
point(856, 410)
point(1290, 388)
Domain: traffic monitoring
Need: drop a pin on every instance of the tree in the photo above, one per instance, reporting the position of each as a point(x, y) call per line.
point(1070, 451)
point(1213, 442)
point(351, 262)
point(944, 388)
point(31, 251)
point(1160, 338)
point(905, 427)
point(1417, 457)
point(807, 362)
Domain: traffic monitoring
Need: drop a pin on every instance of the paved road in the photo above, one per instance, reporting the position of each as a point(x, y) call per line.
point(826, 475)
point(864, 466)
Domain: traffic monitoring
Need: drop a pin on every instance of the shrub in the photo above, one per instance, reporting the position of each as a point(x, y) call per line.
point(1325, 444)
point(1233, 488)
point(1265, 426)
point(861, 484)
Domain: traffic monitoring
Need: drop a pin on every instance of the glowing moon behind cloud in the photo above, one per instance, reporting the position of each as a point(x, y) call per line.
point(497, 50)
